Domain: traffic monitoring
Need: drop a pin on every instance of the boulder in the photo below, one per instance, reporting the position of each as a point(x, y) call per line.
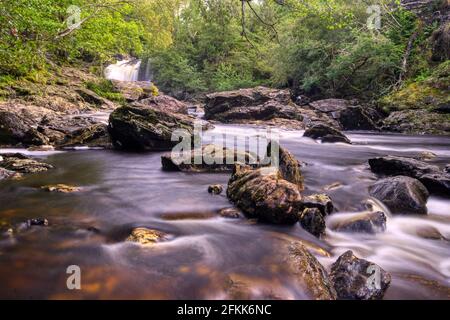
point(358, 279)
point(210, 158)
point(289, 166)
point(230, 213)
point(320, 201)
point(435, 180)
point(15, 130)
point(165, 103)
point(91, 97)
point(61, 188)
point(326, 133)
point(349, 115)
point(401, 194)
point(312, 220)
point(93, 136)
point(258, 103)
point(146, 237)
point(215, 189)
point(264, 195)
point(367, 222)
point(23, 164)
point(145, 128)
point(417, 121)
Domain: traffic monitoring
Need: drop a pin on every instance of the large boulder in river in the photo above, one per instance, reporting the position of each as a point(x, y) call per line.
point(146, 128)
point(349, 115)
point(289, 166)
point(401, 194)
point(326, 133)
point(209, 158)
point(164, 103)
point(358, 279)
point(313, 221)
point(15, 130)
point(94, 136)
point(264, 195)
point(434, 179)
point(258, 103)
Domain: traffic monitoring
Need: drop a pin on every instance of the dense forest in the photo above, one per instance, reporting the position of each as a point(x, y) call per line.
point(319, 48)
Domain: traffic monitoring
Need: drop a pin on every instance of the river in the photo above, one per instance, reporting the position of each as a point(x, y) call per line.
point(126, 190)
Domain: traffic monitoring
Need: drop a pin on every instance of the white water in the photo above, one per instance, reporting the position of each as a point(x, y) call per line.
point(124, 70)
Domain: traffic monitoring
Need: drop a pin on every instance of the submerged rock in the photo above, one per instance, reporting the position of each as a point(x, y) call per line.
point(231, 213)
point(7, 174)
point(435, 180)
point(312, 220)
point(209, 158)
point(264, 195)
point(145, 128)
point(215, 189)
point(368, 222)
point(23, 164)
point(61, 188)
point(146, 236)
point(358, 279)
point(326, 133)
point(401, 194)
point(320, 201)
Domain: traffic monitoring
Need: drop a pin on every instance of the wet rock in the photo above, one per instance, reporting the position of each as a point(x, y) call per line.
point(94, 136)
point(307, 272)
point(425, 156)
point(263, 194)
point(40, 222)
point(430, 232)
point(289, 166)
point(435, 180)
point(368, 222)
point(326, 133)
point(401, 194)
point(349, 115)
point(15, 130)
point(356, 279)
point(320, 201)
point(210, 158)
point(23, 164)
point(91, 97)
point(146, 237)
point(312, 220)
point(165, 103)
point(231, 213)
point(215, 189)
point(61, 188)
point(258, 103)
point(188, 216)
point(417, 121)
point(44, 148)
point(7, 174)
point(146, 129)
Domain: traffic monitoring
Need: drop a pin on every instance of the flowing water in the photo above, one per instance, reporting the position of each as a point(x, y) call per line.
point(130, 70)
point(205, 251)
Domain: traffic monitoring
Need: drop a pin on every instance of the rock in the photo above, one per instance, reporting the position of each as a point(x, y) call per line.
point(401, 194)
point(23, 164)
point(94, 136)
point(166, 104)
point(320, 201)
point(435, 180)
point(135, 90)
point(15, 130)
point(417, 121)
point(425, 156)
point(231, 213)
point(146, 237)
point(368, 222)
point(307, 272)
point(61, 188)
point(264, 195)
point(349, 115)
point(91, 97)
point(447, 168)
point(288, 165)
point(146, 129)
point(210, 158)
point(7, 174)
point(356, 279)
point(312, 220)
point(430, 232)
point(258, 103)
point(326, 134)
point(443, 108)
point(215, 189)
point(44, 148)
point(37, 222)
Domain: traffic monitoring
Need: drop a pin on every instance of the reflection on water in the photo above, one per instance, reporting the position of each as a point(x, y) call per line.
point(207, 253)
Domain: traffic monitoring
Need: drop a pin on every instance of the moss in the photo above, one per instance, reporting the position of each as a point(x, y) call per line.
point(105, 88)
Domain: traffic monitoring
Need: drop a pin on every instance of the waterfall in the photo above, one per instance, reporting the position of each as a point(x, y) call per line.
point(129, 70)
point(124, 70)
